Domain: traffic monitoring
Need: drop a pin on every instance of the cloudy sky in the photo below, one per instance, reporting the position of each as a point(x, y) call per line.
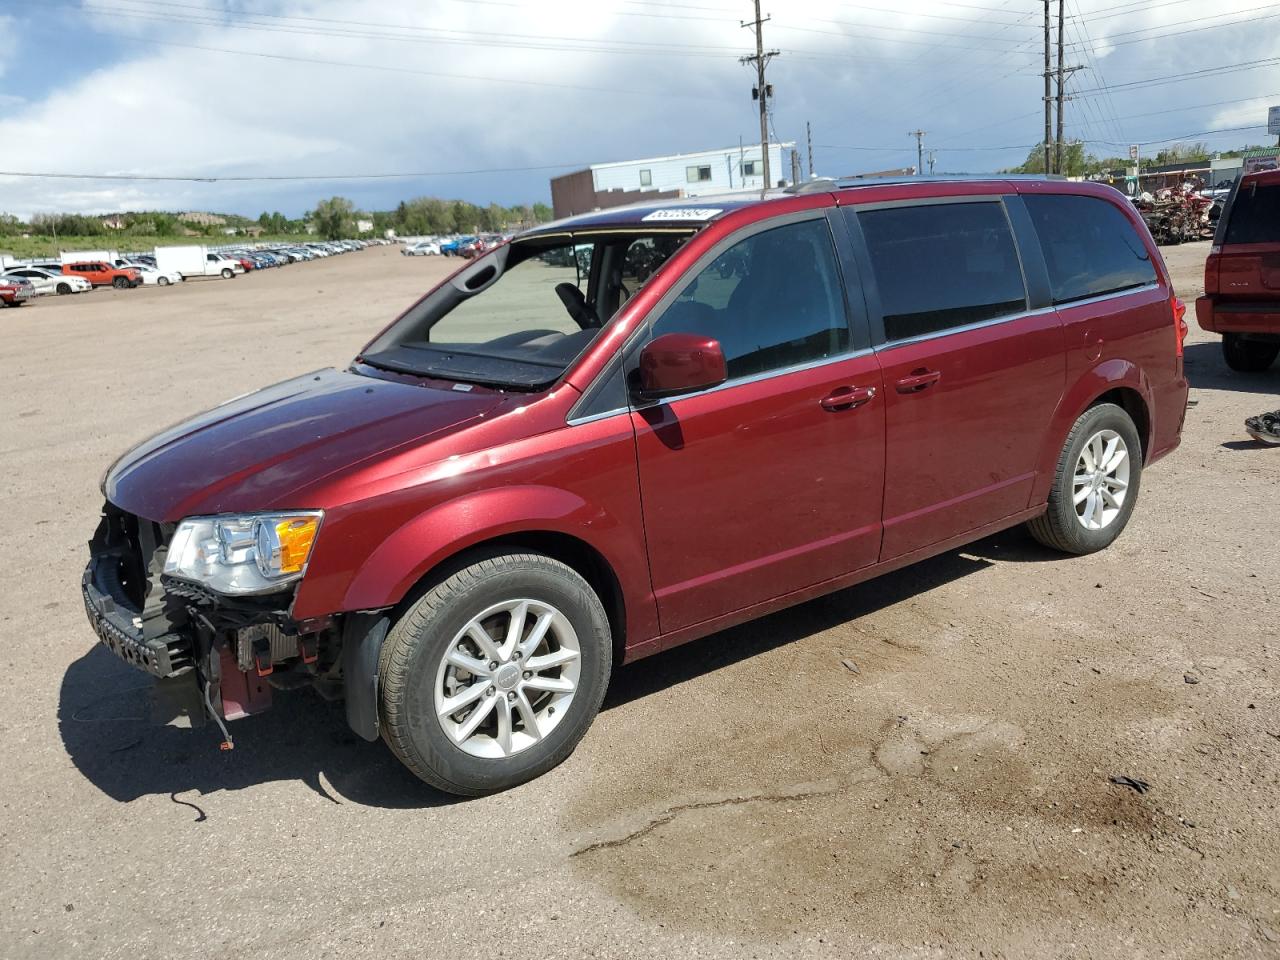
point(486, 99)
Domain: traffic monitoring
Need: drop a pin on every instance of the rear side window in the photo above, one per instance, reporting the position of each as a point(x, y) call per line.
point(940, 266)
point(773, 300)
point(1090, 247)
point(1255, 215)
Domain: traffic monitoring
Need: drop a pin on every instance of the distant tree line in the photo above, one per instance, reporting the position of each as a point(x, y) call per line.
point(332, 218)
point(1078, 163)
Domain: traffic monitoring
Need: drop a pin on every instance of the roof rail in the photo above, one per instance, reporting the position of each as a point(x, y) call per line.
point(829, 184)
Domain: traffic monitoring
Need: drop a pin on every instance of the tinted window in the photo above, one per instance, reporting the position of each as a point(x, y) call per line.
point(1089, 246)
point(1255, 215)
point(772, 300)
point(940, 266)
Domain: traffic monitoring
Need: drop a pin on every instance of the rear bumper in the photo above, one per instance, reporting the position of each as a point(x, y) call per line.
point(1238, 316)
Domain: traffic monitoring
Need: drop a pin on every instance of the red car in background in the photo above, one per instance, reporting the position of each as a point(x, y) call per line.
point(15, 292)
point(1242, 275)
point(102, 274)
point(540, 470)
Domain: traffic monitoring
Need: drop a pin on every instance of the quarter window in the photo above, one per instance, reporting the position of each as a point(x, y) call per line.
point(773, 300)
point(1090, 247)
point(697, 174)
point(940, 266)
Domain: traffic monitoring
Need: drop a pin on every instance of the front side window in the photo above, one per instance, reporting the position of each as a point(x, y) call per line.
point(773, 300)
point(940, 266)
point(697, 174)
point(1090, 247)
point(1255, 215)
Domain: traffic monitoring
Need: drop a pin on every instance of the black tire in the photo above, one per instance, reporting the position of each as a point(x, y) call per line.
point(424, 635)
point(162, 281)
point(1248, 356)
point(1059, 527)
point(227, 273)
point(120, 283)
point(62, 289)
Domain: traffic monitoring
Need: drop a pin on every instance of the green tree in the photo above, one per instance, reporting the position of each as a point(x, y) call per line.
point(1073, 159)
point(333, 218)
point(542, 213)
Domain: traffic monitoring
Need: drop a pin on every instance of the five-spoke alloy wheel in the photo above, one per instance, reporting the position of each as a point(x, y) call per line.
point(1096, 483)
point(508, 679)
point(494, 673)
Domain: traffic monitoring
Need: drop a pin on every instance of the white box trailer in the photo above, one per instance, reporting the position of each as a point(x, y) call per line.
point(196, 261)
point(89, 256)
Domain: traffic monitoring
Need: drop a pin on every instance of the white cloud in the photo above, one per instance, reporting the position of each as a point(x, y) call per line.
point(862, 73)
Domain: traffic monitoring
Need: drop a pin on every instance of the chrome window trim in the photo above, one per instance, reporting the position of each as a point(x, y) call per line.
point(1008, 318)
point(729, 384)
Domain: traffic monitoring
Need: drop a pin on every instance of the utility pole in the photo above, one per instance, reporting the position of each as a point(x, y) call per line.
point(1062, 78)
point(932, 158)
point(808, 135)
point(796, 175)
point(1048, 102)
point(919, 135)
point(762, 90)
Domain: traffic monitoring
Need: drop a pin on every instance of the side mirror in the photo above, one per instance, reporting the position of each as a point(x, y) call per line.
point(676, 363)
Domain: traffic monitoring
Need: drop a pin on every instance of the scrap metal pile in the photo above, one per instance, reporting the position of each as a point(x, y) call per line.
point(1177, 214)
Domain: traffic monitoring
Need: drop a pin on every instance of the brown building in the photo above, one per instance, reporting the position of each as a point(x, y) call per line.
point(576, 193)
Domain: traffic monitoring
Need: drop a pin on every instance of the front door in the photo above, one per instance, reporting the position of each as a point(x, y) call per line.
point(971, 376)
point(773, 481)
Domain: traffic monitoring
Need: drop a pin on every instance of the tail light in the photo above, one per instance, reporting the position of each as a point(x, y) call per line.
point(1179, 322)
point(1211, 270)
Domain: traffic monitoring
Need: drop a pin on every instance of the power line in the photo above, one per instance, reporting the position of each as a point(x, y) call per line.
point(281, 177)
point(1179, 77)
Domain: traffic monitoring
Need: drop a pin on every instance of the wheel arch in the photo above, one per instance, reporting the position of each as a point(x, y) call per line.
point(1117, 381)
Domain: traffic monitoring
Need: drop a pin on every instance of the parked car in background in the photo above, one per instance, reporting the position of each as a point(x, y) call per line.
point(45, 281)
point(103, 274)
point(423, 248)
point(15, 291)
point(1242, 275)
point(153, 277)
point(535, 472)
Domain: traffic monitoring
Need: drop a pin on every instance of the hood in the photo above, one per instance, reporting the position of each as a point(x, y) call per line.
point(251, 453)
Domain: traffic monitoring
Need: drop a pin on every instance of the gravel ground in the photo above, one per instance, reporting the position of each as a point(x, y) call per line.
point(744, 796)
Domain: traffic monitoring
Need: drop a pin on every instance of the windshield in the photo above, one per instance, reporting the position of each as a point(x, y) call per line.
point(520, 315)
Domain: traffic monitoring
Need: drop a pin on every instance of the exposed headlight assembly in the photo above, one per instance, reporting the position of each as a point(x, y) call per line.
point(249, 554)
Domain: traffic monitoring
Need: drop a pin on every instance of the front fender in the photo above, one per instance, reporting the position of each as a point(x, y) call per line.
point(1108, 375)
point(445, 530)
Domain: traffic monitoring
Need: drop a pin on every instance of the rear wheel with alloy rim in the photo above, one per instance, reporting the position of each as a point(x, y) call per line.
point(1096, 483)
point(495, 673)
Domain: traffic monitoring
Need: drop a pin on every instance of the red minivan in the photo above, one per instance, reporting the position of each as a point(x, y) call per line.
point(1242, 275)
point(635, 427)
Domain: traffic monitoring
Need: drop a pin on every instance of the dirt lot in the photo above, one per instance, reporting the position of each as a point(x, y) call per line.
point(743, 796)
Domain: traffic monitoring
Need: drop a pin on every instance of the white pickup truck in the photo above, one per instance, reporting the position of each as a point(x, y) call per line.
point(196, 261)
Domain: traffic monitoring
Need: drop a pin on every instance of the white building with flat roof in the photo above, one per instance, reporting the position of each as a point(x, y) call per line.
point(696, 174)
point(679, 175)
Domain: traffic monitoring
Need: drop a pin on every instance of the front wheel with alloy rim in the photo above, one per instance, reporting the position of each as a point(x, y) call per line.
point(493, 676)
point(1096, 483)
point(63, 288)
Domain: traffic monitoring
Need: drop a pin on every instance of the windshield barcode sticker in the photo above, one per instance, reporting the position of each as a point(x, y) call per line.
point(683, 213)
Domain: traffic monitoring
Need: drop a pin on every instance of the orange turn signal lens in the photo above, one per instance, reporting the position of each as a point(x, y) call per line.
point(296, 536)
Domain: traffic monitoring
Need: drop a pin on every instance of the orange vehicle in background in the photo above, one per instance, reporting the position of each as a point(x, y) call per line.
point(102, 274)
